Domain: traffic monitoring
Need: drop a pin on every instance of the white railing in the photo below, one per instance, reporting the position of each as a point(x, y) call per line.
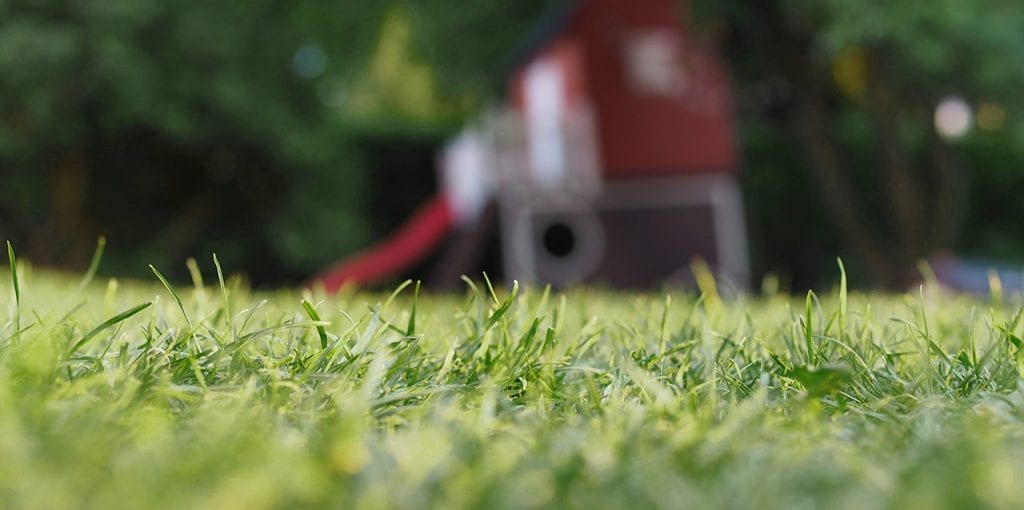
point(561, 159)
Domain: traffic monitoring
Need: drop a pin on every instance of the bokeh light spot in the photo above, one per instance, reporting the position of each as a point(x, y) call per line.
point(991, 116)
point(850, 71)
point(309, 61)
point(953, 117)
point(332, 94)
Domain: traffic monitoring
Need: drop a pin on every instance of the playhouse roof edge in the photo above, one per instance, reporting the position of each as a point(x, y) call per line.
point(549, 26)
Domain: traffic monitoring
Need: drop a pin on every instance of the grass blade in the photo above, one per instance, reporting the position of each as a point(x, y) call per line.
point(121, 317)
point(224, 295)
point(395, 294)
point(13, 261)
point(411, 330)
point(195, 273)
point(94, 265)
point(706, 283)
point(315, 317)
point(842, 299)
point(503, 306)
point(809, 328)
point(170, 288)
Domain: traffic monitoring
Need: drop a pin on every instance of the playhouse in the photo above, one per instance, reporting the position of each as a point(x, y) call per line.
point(610, 159)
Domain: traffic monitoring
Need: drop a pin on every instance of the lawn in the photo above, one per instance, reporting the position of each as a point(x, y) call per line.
point(143, 394)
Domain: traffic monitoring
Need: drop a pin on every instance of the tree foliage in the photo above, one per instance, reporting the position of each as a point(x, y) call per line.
point(178, 128)
point(186, 123)
point(472, 45)
point(854, 85)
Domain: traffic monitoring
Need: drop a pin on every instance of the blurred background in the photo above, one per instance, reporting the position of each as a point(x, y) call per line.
point(285, 136)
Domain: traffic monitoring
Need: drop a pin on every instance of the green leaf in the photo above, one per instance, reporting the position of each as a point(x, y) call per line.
point(820, 381)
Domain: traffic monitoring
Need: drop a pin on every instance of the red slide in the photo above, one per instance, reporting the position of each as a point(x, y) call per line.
point(407, 246)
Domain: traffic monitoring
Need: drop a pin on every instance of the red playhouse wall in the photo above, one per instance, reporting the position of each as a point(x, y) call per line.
point(643, 133)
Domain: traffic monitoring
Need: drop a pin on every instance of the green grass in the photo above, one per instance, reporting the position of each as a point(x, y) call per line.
point(131, 395)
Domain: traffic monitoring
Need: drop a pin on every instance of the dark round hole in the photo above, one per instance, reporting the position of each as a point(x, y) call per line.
point(559, 239)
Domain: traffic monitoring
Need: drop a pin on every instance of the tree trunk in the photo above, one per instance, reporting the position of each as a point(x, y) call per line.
point(904, 195)
point(812, 122)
